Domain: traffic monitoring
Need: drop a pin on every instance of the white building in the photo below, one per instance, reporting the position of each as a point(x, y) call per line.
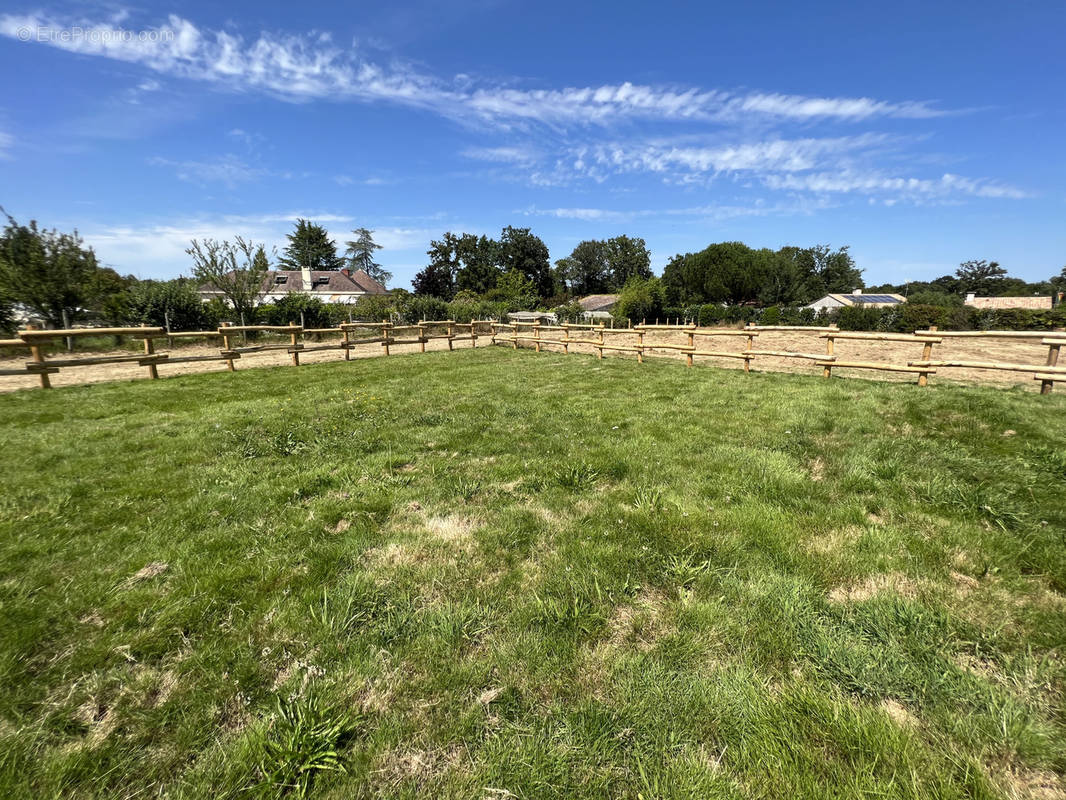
point(857, 298)
point(329, 286)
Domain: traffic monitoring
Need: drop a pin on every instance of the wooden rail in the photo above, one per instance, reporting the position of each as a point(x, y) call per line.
point(39, 365)
point(639, 341)
point(531, 333)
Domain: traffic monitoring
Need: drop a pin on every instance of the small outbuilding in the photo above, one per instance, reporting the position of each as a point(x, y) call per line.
point(1034, 303)
point(857, 298)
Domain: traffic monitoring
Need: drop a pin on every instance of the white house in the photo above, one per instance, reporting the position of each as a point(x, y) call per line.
point(857, 298)
point(329, 286)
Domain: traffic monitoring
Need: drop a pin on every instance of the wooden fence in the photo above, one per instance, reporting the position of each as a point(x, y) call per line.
point(923, 365)
point(689, 340)
point(230, 352)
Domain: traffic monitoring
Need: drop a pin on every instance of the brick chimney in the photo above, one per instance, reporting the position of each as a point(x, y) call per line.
point(346, 272)
point(856, 291)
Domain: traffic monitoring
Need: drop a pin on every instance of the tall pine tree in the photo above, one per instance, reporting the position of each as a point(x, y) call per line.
point(310, 248)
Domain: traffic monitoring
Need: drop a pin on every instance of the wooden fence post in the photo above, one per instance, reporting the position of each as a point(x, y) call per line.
point(566, 338)
point(347, 344)
point(640, 347)
point(536, 335)
point(421, 337)
point(451, 334)
point(827, 370)
point(385, 335)
point(599, 350)
point(226, 346)
point(1052, 360)
point(692, 346)
point(750, 347)
point(514, 335)
point(927, 355)
point(149, 350)
point(38, 357)
point(294, 341)
point(473, 333)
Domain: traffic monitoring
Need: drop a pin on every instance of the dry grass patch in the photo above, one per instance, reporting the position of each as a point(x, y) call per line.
point(1032, 784)
point(399, 766)
point(891, 582)
point(453, 529)
point(899, 713)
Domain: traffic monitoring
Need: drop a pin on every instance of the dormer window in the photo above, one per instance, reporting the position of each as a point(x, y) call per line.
point(281, 280)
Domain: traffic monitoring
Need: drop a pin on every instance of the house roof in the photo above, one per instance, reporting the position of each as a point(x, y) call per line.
point(322, 282)
point(598, 302)
point(869, 299)
point(1037, 302)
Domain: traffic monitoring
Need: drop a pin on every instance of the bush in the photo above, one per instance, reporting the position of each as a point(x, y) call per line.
point(296, 308)
point(709, 314)
point(156, 302)
point(420, 307)
point(374, 307)
point(770, 316)
point(640, 299)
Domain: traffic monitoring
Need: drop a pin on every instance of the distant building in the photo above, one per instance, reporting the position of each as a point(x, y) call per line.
point(544, 317)
point(329, 286)
point(857, 298)
point(1036, 303)
point(598, 302)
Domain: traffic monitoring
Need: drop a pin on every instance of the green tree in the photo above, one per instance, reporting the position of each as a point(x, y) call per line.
point(360, 255)
point(523, 251)
point(477, 263)
point(437, 279)
point(310, 248)
point(586, 270)
point(161, 302)
point(981, 277)
point(235, 269)
point(627, 257)
point(53, 274)
point(515, 291)
point(641, 299)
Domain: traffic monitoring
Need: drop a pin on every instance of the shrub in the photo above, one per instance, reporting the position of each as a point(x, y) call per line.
point(375, 307)
point(640, 299)
point(294, 308)
point(770, 316)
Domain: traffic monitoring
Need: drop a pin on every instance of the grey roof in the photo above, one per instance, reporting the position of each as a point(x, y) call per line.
point(598, 302)
point(322, 282)
point(872, 298)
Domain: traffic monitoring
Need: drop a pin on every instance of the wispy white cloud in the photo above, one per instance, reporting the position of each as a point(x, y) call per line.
point(788, 155)
point(7, 141)
point(228, 170)
point(708, 211)
point(312, 67)
point(874, 183)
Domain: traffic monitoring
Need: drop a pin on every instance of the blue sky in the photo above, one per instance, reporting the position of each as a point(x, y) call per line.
point(920, 134)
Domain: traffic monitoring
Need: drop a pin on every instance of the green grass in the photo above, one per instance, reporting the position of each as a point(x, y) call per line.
point(493, 574)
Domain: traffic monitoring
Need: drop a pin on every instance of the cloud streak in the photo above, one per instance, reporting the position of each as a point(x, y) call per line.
point(312, 67)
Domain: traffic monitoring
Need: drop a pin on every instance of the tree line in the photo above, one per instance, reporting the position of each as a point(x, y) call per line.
point(57, 278)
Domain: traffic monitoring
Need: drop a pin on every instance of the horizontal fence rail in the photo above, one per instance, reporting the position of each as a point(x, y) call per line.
point(923, 366)
point(230, 352)
point(686, 340)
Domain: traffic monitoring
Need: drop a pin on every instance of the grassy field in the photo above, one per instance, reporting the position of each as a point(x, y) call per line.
point(491, 574)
